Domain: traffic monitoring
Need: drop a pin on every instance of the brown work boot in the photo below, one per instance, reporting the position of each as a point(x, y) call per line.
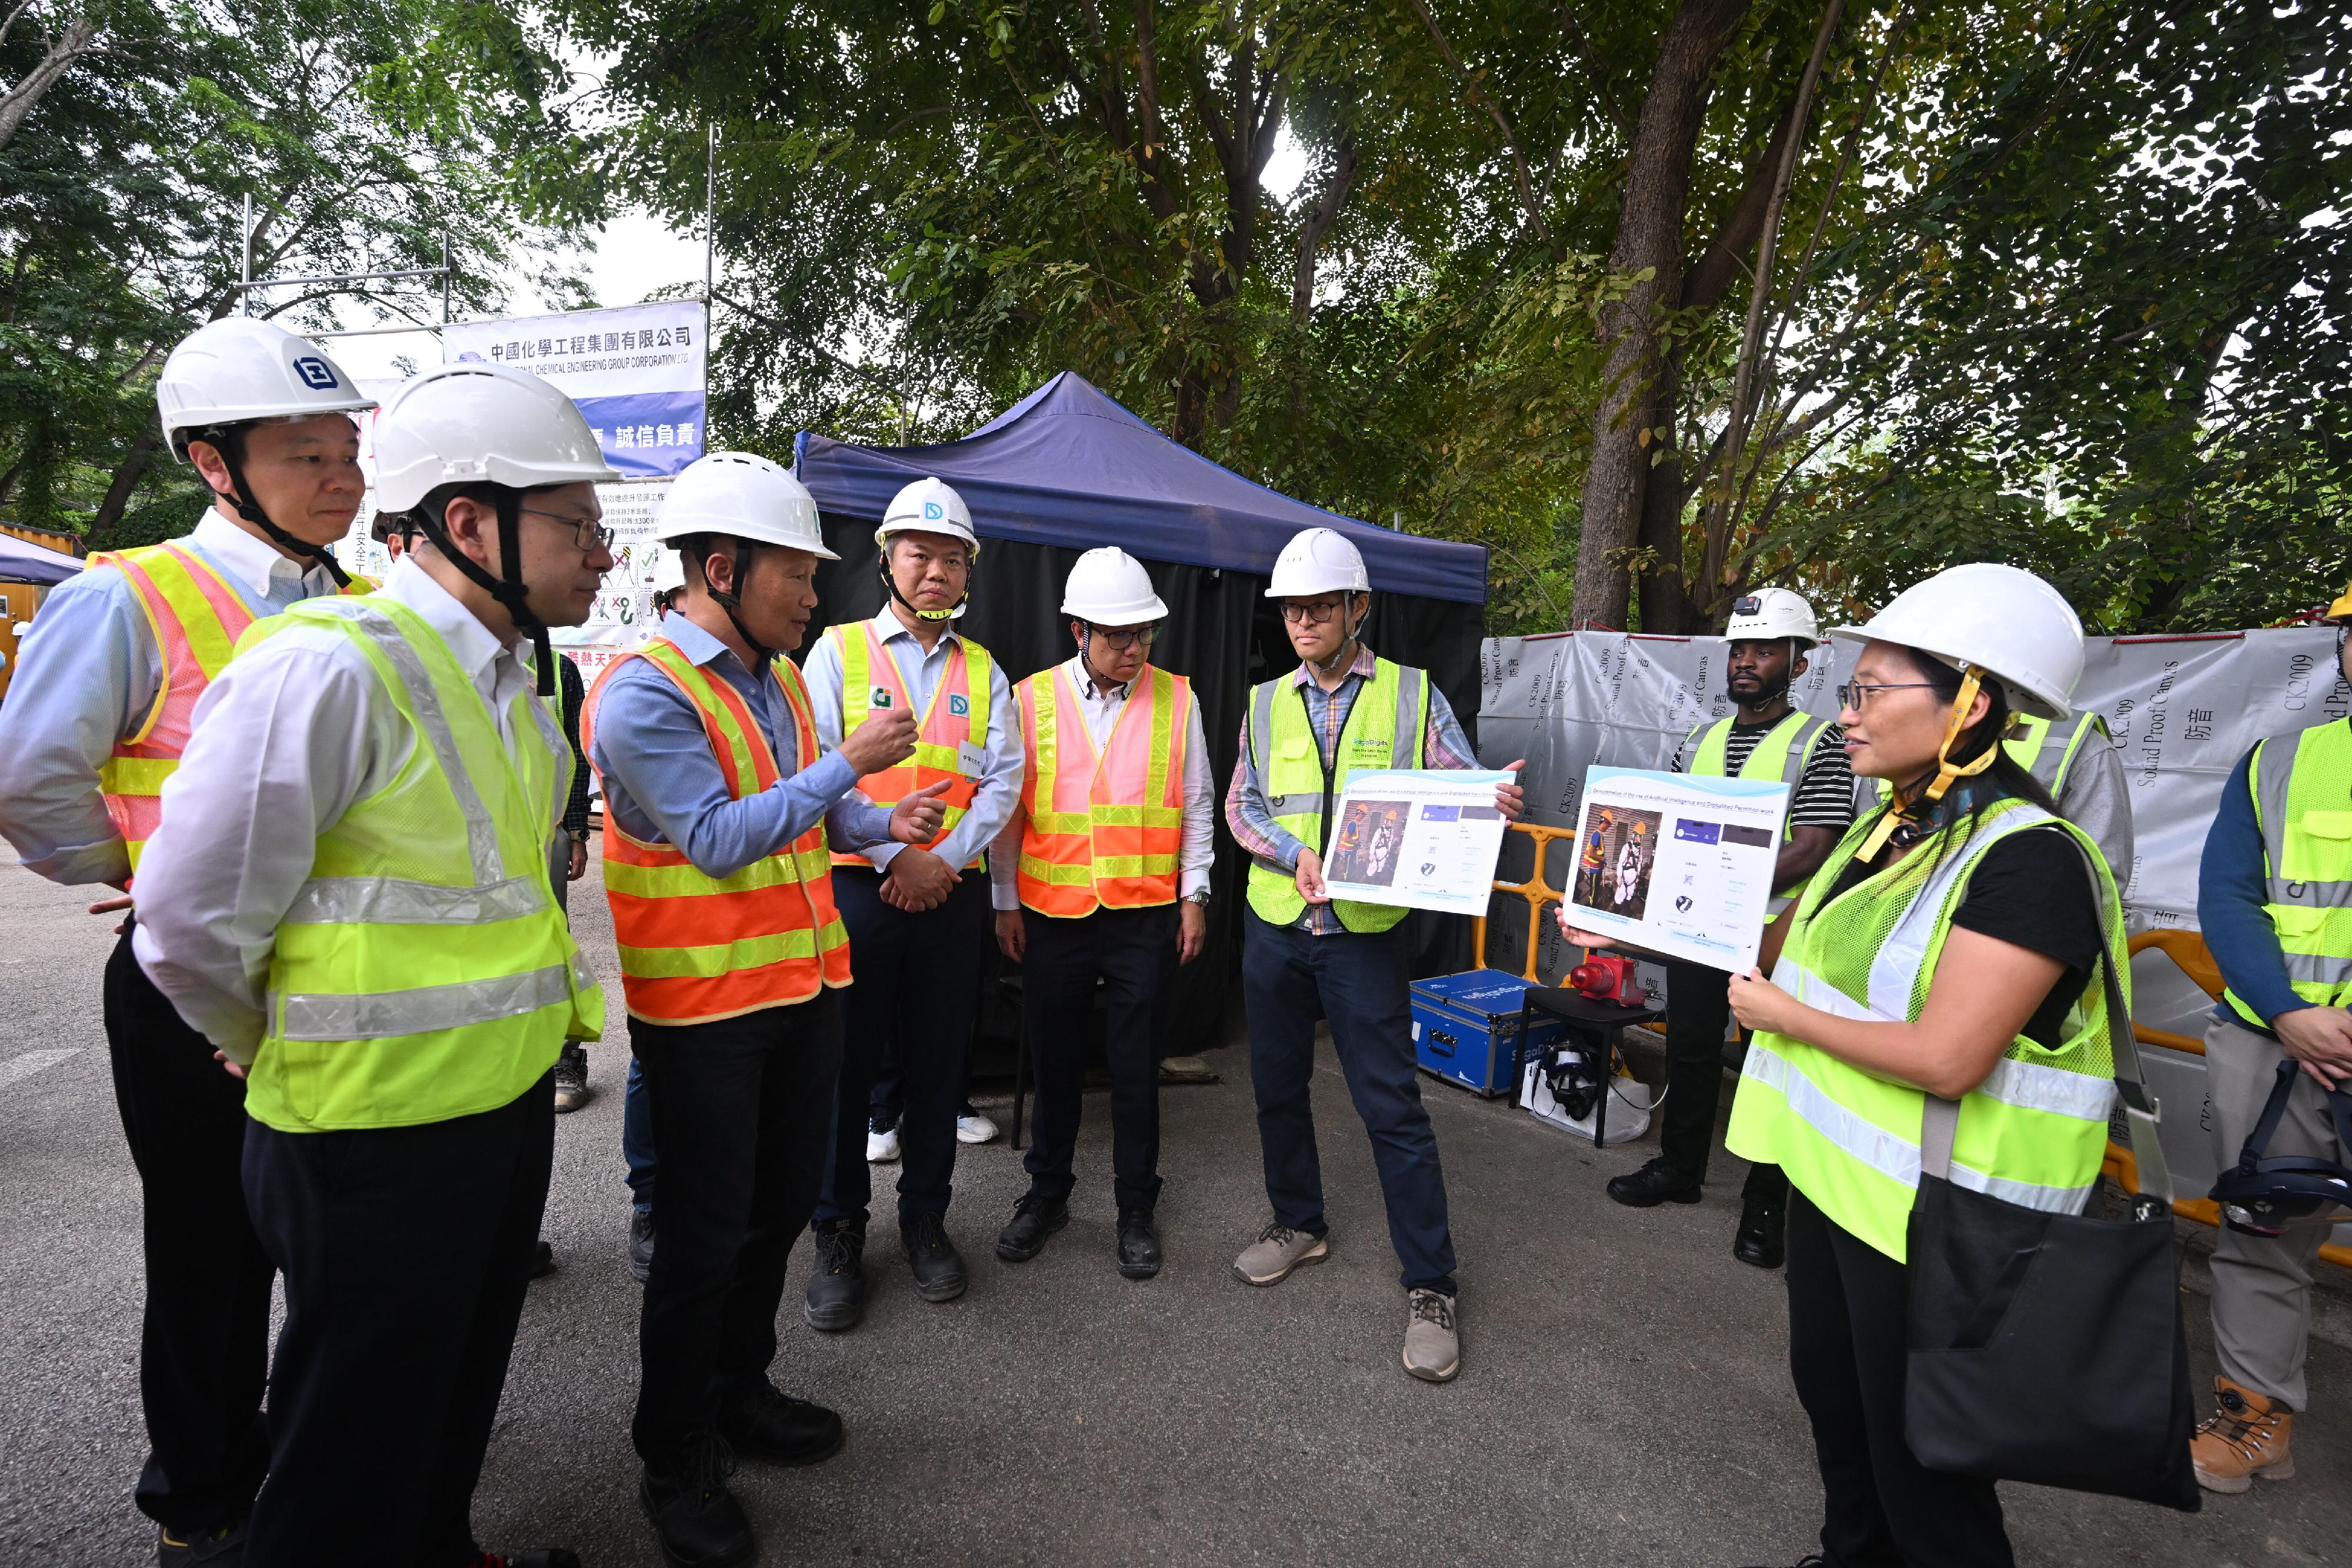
point(2245, 1437)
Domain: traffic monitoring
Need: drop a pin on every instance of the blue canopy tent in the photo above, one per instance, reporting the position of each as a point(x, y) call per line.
point(1067, 469)
point(21, 561)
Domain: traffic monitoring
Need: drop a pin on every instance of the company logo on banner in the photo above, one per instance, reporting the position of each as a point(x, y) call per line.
point(637, 373)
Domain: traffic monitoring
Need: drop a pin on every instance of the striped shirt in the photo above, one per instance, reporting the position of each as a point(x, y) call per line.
point(1442, 746)
point(1823, 796)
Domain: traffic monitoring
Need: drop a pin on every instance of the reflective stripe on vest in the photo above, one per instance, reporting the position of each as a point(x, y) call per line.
point(1111, 828)
point(1795, 736)
point(2034, 1133)
point(2301, 786)
point(425, 972)
point(1386, 727)
point(195, 619)
point(695, 947)
point(958, 717)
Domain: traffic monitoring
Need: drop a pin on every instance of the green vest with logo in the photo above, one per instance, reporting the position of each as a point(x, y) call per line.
point(2032, 1133)
point(1385, 728)
point(2302, 785)
point(424, 972)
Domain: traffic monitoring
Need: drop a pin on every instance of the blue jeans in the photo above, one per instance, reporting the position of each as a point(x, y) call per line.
point(637, 1140)
point(1356, 980)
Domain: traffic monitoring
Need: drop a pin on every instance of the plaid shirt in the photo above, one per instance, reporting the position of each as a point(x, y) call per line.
point(1443, 746)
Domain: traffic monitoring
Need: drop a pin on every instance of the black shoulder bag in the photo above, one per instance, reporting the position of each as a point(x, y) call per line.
point(2048, 1347)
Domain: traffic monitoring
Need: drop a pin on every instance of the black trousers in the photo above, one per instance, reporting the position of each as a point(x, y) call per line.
point(1133, 952)
point(407, 1251)
point(919, 987)
point(1849, 1306)
point(1698, 1011)
point(203, 1344)
point(741, 1109)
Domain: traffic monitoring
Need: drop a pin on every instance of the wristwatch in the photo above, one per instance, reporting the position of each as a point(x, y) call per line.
point(577, 835)
point(1200, 896)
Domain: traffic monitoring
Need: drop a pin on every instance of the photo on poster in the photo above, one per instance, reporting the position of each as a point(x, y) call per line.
point(1619, 851)
point(1365, 849)
point(1678, 863)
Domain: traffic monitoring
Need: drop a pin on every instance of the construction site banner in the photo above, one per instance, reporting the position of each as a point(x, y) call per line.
point(637, 374)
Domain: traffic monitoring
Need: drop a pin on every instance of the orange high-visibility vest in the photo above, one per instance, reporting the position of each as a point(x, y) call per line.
point(696, 947)
point(1102, 832)
point(195, 618)
point(958, 717)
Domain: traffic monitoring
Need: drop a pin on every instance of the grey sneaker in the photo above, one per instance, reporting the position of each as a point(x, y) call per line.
point(1432, 1345)
point(571, 1090)
point(1279, 1250)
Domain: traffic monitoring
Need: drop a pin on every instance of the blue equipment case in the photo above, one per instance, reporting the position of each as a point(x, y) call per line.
point(1465, 1029)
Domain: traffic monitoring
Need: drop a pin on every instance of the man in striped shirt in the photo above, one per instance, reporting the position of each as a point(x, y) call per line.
point(1764, 737)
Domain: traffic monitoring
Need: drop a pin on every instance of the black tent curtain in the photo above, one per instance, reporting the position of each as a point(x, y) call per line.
point(1224, 635)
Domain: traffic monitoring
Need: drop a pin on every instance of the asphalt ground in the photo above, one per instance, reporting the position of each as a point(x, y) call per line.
point(1625, 1398)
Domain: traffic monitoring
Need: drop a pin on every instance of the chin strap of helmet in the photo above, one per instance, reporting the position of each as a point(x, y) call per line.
point(508, 588)
point(890, 581)
point(1920, 810)
point(252, 513)
point(732, 602)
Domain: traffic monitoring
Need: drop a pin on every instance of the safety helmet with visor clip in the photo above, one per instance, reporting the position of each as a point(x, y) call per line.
point(1772, 615)
point(1989, 621)
point(474, 422)
point(928, 505)
point(750, 500)
point(2262, 1196)
point(239, 371)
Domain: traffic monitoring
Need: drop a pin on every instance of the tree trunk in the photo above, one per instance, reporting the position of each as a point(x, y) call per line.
point(118, 493)
point(1646, 262)
point(1666, 607)
point(64, 50)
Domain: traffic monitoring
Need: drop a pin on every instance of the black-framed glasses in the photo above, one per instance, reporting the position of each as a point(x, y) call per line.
point(1312, 613)
point(587, 533)
point(1852, 694)
point(1120, 642)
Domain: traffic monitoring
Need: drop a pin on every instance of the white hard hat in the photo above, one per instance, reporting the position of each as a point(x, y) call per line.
point(2003, 620)
point(239, 369)
point(1110, 587)
point(474, 422)
point(1318, 560)
point(743, 496)
point(927, 507)
point(668, 571)
point(1770, 613)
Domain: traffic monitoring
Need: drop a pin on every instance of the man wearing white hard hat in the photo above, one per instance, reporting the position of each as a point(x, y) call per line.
point(96, 719)
point(351, 896)
point(1770, 635)
point(1102, 878)
point(718, 798)
point(916, 914)
point(1308, 957)
point(1938, 1001)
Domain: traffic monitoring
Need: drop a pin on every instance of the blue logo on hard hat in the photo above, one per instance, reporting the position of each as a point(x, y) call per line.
point(316, 372)
point(933, 511)
point(957, 705)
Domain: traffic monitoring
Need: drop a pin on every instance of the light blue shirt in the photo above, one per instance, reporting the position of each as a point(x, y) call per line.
point(663, 784)
point(998, 789)
point(88, 673)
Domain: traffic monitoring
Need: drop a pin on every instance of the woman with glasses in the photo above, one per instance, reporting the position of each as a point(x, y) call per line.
point(1947, 947)
point(1102, 875)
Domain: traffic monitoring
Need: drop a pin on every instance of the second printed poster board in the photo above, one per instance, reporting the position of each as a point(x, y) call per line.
point(1678, 863)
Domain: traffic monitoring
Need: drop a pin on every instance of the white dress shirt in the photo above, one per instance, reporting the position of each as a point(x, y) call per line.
point(285, 738)
point(1100, 707)
point(997, 789)
point(89, 677)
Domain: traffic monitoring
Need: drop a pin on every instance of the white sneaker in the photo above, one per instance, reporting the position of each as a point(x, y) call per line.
point(971, 1127)
point(881, 1148)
